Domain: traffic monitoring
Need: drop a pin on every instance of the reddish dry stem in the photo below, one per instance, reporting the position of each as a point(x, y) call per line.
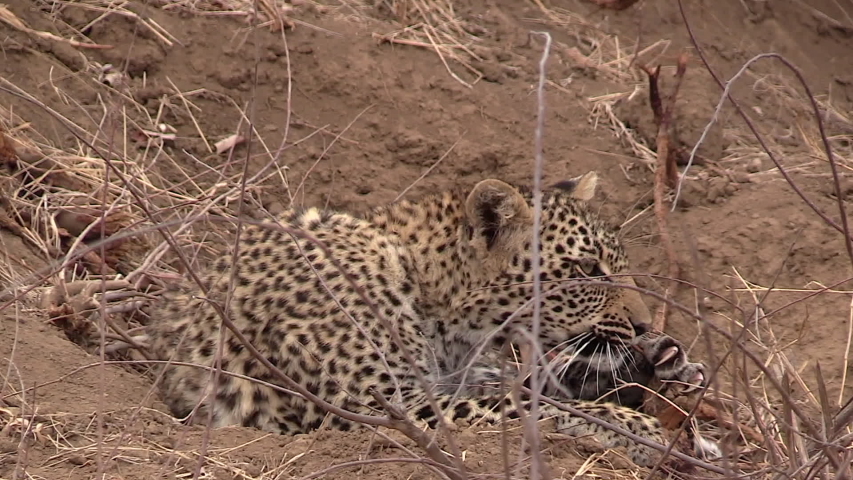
point(666, 172)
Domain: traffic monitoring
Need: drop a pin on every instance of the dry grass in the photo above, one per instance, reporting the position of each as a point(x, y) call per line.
point(91, 221)
point(600, 53)
point(434, 25)
point(139, 450)
point(768, 405)
point(110, 186)
point(430, 24)
point(786, 100)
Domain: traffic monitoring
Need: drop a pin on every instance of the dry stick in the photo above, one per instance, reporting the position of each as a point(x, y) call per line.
point(730, 352)
point(843, 228)
point(23, 450)
point(437, 469)
point(11, 358)
point(536, 465)
point(326, 150)
point(289, 111)
point(828, 426)
point(771, 447)
point(103, 306)
point(398, 421)
point(504, 434)
point(665, 172)
point(105, 285)
point(229, 294)
point(718, 363)
point(23, 399)
point(788, 432)
point(773, 450)
point(845, 466)
point(525, 419)
point(430, 169)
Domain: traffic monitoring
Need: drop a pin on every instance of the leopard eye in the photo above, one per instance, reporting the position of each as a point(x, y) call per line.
point(590, 268)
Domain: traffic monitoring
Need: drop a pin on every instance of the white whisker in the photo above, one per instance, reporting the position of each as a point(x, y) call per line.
point(588, 365)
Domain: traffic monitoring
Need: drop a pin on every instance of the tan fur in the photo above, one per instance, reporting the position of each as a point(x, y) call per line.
point(448, 271)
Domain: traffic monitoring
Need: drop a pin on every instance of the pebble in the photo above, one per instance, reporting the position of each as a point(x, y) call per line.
point(754, 165)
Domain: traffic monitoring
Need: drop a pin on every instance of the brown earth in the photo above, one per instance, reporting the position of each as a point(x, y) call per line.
point(366, 120)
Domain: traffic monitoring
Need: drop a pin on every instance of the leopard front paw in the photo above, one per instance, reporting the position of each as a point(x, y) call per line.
point(670, 362)
point(630, 420)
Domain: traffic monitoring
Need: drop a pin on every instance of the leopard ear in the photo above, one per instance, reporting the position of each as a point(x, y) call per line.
point(582, 187)
point(497, 211)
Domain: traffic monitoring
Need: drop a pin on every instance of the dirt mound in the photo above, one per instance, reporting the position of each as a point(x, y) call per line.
point(361, 102)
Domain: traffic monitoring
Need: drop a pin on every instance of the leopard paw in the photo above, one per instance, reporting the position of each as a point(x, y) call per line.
point(670, 362)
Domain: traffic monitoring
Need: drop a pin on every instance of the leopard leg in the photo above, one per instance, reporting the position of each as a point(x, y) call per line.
point(488, 408)
point(629, 419)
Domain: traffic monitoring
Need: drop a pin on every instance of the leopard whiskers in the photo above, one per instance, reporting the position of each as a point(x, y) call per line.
point(588, 365)
point(613, 368)
point(627, 353)
point(565, 367)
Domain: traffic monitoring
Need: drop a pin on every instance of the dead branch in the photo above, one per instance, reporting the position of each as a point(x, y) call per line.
point(398, 421)
point(666, 172)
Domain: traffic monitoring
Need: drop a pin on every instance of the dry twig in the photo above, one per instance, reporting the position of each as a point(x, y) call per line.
point(666, 172)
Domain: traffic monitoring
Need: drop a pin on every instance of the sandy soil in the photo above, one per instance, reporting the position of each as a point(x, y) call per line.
point(362, 120)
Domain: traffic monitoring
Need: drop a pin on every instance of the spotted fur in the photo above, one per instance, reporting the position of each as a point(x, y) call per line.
point(449, 272)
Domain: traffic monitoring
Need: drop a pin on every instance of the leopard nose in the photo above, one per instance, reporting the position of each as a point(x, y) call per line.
point(641, 328)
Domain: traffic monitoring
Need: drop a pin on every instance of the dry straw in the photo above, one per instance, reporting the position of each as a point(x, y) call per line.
point(71, 204)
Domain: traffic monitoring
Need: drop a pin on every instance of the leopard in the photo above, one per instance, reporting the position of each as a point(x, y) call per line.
point(404, 302)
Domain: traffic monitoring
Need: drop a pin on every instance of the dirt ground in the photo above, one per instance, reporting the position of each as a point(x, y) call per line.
point(351, 122)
